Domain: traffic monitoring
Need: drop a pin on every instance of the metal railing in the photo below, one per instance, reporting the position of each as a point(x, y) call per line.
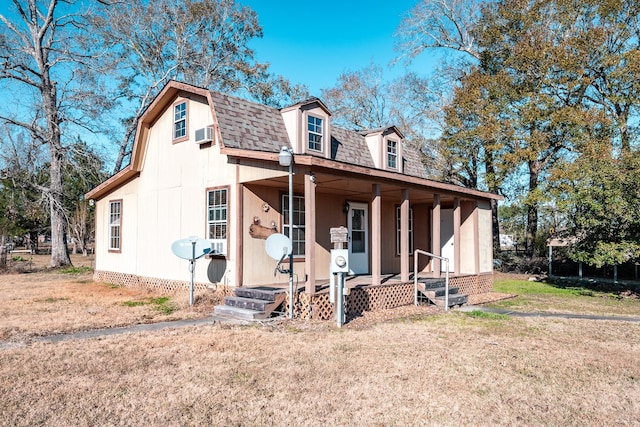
point(415, 276)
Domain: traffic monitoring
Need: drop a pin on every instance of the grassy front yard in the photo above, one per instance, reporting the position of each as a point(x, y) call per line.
point(569, 297)
point(417, 369)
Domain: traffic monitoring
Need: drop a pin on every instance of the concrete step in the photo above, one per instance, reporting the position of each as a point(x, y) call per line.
point(456, 299)
point(431, 283)
point(266, 293)
point(439, 292)
point(248, 303)
point(239, 313)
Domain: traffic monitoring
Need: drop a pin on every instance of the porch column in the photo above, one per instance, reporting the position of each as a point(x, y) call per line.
point(310, 232)
point(376, 229)
point(404, 236)
point(239, 236)
point(456, 235)
point(436, 247)
point(476, 237)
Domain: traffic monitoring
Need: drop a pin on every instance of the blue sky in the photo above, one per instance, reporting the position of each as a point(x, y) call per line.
point(314, 42)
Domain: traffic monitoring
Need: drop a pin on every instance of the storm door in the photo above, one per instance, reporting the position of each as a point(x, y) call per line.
point(358, 238)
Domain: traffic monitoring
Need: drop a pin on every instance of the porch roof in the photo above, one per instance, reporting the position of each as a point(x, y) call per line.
point(348, 179)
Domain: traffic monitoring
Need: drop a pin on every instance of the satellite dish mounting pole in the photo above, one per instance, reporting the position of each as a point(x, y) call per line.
point(192, 263)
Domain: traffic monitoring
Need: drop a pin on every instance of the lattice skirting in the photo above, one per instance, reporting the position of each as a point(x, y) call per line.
point(472, 285)
point(318, 307)
point(382, 297)
point(162, 285)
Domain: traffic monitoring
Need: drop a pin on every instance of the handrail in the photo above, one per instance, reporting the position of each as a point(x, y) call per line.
point(415, 276)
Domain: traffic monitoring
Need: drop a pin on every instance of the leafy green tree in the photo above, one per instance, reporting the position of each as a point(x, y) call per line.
point(601, 194)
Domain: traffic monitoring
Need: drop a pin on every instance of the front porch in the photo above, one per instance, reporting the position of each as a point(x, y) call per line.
point(365, 295)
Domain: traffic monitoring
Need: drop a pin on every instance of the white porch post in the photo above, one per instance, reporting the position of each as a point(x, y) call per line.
point(376, 229)
point(456, 235)
point(310, 232)
point(476, 238)
point(436, 247)
point(239, 193)
point(404, 236)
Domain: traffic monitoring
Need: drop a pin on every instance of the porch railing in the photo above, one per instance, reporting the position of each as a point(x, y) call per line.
point(415, 276)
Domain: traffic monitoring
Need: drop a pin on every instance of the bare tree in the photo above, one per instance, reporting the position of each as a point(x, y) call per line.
point(444, 24)
point(201, 42)
point(29, 51)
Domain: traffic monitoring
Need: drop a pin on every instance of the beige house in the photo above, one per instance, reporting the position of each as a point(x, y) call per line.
point(206, 164)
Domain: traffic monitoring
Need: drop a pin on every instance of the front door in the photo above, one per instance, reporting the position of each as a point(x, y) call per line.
point(358, 238)
point(446, 238)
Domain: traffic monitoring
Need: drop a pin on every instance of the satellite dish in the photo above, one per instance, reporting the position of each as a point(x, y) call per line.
point(184, 249)
point(277, 246)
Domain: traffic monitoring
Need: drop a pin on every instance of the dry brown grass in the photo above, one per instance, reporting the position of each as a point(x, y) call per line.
point(424, 369)
point(45, 302)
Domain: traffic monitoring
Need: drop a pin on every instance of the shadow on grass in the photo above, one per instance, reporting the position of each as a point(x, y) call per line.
point(621, 288)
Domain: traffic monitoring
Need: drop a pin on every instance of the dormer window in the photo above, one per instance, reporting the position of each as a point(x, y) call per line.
point(180, 120)
point(392, 154)
point(314, 127)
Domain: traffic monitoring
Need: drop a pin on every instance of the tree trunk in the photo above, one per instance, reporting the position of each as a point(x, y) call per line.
point(496, 226)
point(59, 249)
point(532, 209)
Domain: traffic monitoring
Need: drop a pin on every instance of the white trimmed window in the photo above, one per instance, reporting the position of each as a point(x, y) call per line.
point(298, 222)
point(217, 216)
point(392, 154)
point(314, 127)
point(115, 225)
point(180, 120)
point(398, 235)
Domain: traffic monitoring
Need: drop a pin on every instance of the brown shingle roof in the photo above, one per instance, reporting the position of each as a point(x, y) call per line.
point(350, 147)
point(247, 125)
point(250, 126)
point(412, 163)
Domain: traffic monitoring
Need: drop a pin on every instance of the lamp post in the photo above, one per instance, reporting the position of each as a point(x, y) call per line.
point(285, 158)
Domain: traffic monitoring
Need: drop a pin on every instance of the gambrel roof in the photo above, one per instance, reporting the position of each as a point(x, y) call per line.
point(250, 130)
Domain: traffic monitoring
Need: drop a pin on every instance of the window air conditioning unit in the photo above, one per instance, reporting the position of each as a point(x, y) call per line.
point(204, 135)
point(218, 246)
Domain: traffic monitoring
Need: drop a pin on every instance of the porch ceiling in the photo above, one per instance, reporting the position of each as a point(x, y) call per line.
point(354, 188)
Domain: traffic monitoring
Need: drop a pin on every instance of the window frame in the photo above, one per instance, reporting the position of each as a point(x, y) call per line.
point(286, 227)
point(398, 226)
point(209, 222)
point(392, 153)
point(316, 132)
point(110, 227)
point(184, 118)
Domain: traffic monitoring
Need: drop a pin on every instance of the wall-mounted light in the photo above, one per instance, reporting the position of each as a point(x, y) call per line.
point(312, 177)
point(345, 208)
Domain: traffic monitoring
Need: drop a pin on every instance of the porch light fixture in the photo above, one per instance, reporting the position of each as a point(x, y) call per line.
point(285, 158)
point(345, 208)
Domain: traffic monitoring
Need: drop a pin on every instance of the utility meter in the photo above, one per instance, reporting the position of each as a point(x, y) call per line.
point(339, 260)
